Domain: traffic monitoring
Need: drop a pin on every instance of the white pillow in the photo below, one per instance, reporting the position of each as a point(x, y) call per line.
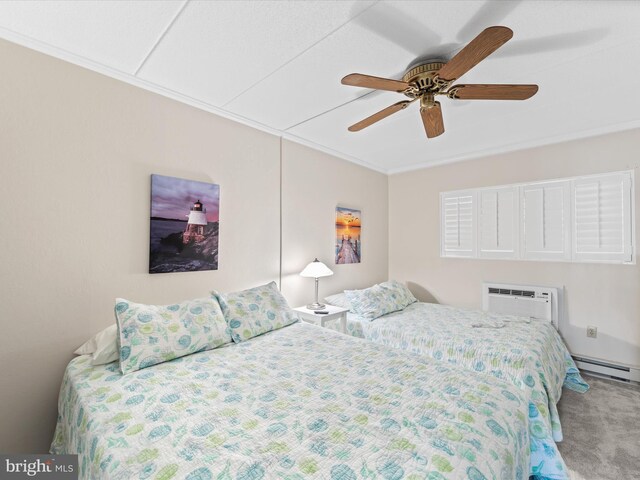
point(338, 300)
point(102, 347)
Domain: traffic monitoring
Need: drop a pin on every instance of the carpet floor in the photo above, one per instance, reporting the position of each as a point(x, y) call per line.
point(601, 431)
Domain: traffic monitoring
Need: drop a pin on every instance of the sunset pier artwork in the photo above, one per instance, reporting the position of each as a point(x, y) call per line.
point(348, 241)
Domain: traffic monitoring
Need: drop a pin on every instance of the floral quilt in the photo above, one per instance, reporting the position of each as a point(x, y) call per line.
point(526, 352)
point(297, 403)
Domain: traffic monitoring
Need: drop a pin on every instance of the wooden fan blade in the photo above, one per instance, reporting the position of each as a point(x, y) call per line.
point(493, 92)
point(432, 120)
point(376, 117)
point(489, 40)
point(377, 83)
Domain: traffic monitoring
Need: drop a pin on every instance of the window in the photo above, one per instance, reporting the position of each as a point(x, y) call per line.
point(457, 224)
point(582, 219)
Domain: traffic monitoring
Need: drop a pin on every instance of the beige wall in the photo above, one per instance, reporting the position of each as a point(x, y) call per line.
point(313, 184)
point(606, 296)
point(76, 153)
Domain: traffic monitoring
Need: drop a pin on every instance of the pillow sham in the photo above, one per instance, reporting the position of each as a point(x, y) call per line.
point(399, 293)
point(383, 298)
point(255, 311)
point(152, 334)
point(339, 300)
point(103, 346)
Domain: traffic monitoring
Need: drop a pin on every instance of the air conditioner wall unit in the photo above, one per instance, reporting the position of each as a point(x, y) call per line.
point(523, 300)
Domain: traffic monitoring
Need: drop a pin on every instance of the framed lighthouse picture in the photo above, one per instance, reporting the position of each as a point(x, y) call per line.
point(184, 225)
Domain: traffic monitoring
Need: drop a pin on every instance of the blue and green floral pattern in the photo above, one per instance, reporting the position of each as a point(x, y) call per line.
point(399, 292)
point(152, 334)
point(380, 299)
point(528, 353)
point(298, 403)
point(255, 311)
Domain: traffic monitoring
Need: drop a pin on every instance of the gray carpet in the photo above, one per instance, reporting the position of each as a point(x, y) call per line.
point(601, 431)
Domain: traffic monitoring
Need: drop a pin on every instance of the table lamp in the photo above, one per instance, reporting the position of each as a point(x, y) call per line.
point(316, 269)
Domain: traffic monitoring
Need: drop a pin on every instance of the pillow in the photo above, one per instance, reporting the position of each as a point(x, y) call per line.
point(103, 346)
point(383, 298)
point(255, 311)
point(339, 300)
point(400, 294)
point(152, 334)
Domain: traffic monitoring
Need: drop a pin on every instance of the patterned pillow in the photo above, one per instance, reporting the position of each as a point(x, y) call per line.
point(383, 298)
point(152, 334)
point(255, 311)
point(400, 294)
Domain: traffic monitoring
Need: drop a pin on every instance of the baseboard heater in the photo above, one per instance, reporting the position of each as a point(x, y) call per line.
point(617, 372)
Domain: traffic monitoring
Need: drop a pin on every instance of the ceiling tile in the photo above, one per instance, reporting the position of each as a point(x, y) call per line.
point(216, 50)
point(310, 84)
point(116, 34)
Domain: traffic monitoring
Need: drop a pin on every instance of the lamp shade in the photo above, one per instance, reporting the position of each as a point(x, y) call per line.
point(316, 269)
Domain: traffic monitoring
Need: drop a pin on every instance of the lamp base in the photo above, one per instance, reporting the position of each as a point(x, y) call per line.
point(316, 306)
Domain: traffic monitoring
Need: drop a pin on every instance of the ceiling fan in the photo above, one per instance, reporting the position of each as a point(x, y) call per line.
point(430, 78)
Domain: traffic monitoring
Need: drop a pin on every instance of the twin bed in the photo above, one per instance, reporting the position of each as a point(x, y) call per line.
point(304, 402)
point(525, 352)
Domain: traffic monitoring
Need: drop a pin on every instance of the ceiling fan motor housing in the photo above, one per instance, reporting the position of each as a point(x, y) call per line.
point(423, 79)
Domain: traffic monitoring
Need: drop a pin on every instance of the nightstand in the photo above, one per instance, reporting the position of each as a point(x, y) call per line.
point(307, 315)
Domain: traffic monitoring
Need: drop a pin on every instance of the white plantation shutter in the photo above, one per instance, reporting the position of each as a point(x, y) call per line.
point(602, 218)
point(546, 212)
point(498, 223)
point(578, 219)
point(457, 220)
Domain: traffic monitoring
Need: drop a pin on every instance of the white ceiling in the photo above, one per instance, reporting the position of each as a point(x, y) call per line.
point(277, 65)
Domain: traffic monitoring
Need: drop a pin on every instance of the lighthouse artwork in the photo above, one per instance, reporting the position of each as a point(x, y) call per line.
point(196, 224)
point(184, 225)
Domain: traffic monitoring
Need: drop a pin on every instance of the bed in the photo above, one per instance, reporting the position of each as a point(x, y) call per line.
point(526, 352)
point(298, 402)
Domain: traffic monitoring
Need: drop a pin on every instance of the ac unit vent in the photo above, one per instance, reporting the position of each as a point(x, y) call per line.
point(518, 293)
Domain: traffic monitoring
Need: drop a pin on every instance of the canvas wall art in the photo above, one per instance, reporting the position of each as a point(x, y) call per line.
point(184, 225)
point(348, 240)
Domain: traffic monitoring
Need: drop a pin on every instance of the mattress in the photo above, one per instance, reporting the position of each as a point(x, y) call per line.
point(526, 352)
point(299, 402)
